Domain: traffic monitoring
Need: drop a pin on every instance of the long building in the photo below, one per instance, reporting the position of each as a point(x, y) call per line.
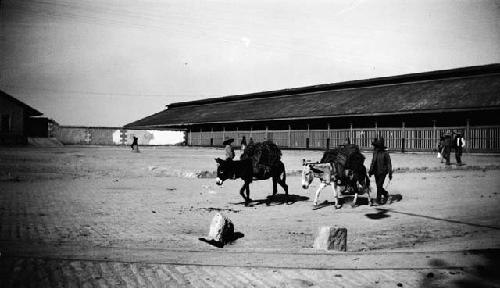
point(410, 111)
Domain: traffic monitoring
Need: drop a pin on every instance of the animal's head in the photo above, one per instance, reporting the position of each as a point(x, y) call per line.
point(224, 170)
point(307, 174)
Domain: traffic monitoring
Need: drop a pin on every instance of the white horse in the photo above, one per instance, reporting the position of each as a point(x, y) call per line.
point(326, 172)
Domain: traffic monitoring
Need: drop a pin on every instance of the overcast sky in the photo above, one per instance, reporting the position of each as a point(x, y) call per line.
point(110, 62)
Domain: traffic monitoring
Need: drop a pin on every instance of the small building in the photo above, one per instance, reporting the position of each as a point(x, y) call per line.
point(410, 111)
point(18, 121)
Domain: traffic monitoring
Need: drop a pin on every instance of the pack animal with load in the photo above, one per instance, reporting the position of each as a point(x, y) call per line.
point(259, 161)
point(343, 167)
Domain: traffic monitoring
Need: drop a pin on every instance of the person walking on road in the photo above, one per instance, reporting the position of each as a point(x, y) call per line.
point(243, 143)
point(447, 148)
point(381, 167)
point(459, 143)
point(135, 144)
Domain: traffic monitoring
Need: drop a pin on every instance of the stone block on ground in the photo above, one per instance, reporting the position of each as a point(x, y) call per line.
point(221, 229)
point(331, 238)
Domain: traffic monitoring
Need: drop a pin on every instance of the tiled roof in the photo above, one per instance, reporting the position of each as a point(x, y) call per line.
point(470, 88)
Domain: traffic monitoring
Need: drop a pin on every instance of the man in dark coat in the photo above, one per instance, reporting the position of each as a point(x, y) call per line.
point(447, 147)
point(135, 144)
point(380, 167)
point(459, 143)
point(229, 149)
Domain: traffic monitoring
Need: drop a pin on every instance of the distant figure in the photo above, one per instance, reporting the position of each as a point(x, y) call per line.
point(229, 149)
point(447, 147)
point(459, 143)
point(380, 167)
point(243, 143)
point(135, 145)
point(250, 142)
point(441, 148)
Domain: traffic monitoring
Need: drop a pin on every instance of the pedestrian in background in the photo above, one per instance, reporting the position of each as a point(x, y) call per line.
point(447, 147)
point(459, 143)
point(243, 143)
point(381, 166)
point(441, 148)
point(135, 145)
point(229, 149)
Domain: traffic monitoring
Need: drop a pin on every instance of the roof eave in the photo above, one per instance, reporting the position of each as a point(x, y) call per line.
point(187, 125)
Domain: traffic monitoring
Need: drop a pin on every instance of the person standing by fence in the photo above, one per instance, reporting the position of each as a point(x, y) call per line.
point(381, 166)
point(243, 143)
point(459, 143)
point(441, 148)
point(229, 150)
point(447, 147)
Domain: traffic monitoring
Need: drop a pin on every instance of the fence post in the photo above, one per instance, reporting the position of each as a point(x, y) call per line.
point(403, 138)
point(467, 131)
point(328, 137)
point(201, 134)
point(434, 136)
point(351, 135)
point(212, 136)
point(289, 136)
point(308, 137)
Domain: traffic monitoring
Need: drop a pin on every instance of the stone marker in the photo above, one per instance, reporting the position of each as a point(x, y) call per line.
point(221, 229)
point(331, 238)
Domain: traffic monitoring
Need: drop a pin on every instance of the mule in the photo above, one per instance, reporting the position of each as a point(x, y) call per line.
point(358, 181)
point(243, 169)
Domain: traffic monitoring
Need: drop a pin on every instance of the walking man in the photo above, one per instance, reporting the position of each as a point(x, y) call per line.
point(447, 147)
point(459, 143)
point(380, 167)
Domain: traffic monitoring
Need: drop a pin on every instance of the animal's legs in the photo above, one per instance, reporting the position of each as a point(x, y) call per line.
point(355, 199)
point(335, 188)
point(275, 185)
point(242, 191)
point(248, 192)
point(245, 188)
point(321, 186)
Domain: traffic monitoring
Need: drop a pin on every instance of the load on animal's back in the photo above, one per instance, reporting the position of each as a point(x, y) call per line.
point(265, 156)
point(259, 161)
point(344, 166)
point(348, 163)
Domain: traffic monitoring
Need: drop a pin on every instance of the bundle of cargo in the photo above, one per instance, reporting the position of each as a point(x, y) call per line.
point(345, 158)
point(264, 155)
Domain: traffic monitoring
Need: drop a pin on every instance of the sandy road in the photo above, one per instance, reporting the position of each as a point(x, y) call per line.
point(104, 198)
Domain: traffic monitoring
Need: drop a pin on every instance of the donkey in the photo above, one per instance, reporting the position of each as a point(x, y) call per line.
point(359, 183)
point(229, 169)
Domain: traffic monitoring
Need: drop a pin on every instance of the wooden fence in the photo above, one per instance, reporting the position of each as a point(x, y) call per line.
point(478, 138)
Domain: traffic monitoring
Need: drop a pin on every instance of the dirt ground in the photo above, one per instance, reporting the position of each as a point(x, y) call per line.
point(111, 197)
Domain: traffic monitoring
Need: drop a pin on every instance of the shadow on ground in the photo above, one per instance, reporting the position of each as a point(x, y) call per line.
point(480, 275)
point(278, 199)
point(219, 244)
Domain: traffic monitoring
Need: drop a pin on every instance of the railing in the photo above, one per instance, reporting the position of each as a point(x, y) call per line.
point(478, 138)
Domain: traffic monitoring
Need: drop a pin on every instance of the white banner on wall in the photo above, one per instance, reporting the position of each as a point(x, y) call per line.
point(149, 137)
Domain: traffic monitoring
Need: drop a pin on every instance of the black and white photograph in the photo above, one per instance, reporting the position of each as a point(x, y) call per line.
point(237, 143)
